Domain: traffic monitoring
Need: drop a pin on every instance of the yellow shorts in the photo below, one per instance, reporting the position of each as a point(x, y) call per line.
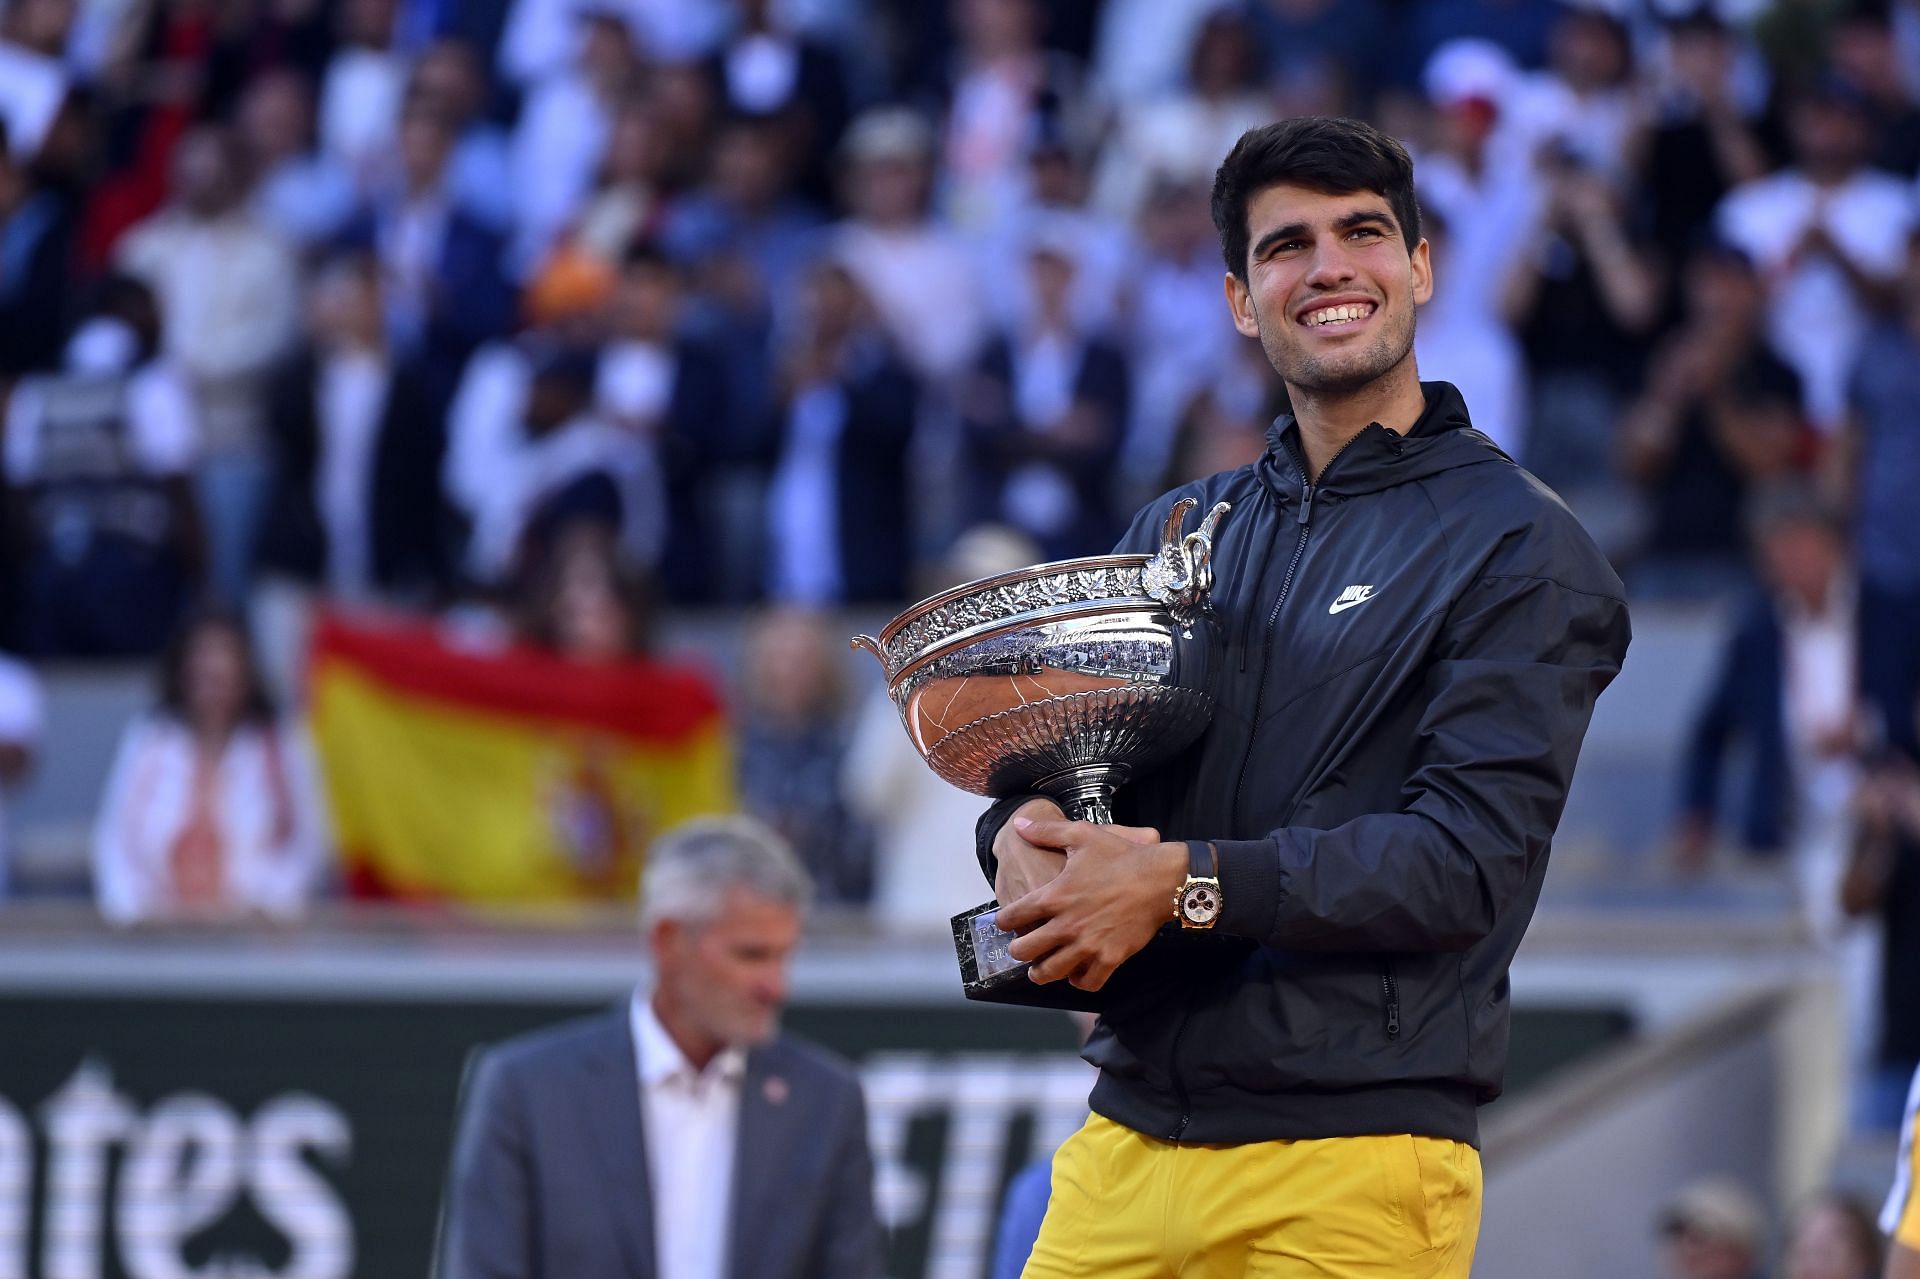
point(1900, 1219)
point(1128, 1206)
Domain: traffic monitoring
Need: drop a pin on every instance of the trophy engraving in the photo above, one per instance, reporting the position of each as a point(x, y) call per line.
point(1060, 679)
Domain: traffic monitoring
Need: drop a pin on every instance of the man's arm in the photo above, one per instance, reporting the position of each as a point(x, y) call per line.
point(850, 1244)
point(1516, 672)
point(487, 1228)
point(1517, 669)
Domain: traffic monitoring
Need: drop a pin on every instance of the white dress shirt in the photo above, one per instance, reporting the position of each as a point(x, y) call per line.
point(690, 1117)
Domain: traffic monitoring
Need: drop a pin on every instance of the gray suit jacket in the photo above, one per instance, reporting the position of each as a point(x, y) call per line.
point(550, 1181)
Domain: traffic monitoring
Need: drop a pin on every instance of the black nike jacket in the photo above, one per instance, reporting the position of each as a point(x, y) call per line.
point(1406, 655)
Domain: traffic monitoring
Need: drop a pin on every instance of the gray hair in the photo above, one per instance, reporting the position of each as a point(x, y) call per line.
point(691, 867)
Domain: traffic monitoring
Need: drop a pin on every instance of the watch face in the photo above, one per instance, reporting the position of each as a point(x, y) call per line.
point(1200, 904)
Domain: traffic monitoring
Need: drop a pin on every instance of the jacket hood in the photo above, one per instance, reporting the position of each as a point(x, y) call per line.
point(1377, 458)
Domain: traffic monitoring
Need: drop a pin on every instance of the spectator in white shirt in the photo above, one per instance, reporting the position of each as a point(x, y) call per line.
point(360, 97)
point(575, 464)
point(1830, 237)
point(212, 810)
point(1006, 85)
point(1142, 45)
point(1179, 137)
point(229, 293)
point(1587, 101)
point(564, 128)
point(1480, 174)
point(900, 256)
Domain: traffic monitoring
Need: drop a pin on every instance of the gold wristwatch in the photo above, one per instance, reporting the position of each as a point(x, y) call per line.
point(1197, 903)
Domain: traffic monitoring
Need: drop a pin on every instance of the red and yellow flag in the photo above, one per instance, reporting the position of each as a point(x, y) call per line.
point(510, 777)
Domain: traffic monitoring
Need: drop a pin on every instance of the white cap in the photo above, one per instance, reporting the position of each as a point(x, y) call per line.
point(1467, 69)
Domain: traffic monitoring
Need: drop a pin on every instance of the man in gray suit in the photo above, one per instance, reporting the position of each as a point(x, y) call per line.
point(680, 1137)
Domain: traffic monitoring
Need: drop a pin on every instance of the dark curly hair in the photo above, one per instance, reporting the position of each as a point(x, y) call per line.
point(1330, 154)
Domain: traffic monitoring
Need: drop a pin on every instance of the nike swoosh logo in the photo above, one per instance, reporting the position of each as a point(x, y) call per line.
point(1341, 606)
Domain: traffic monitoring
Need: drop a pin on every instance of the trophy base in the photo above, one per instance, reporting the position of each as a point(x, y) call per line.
point(985, 965)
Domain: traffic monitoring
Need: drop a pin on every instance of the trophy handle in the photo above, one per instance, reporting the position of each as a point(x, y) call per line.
point(1176, 519)
point(870, 644)
point(1198, 548)
point(1180, 574)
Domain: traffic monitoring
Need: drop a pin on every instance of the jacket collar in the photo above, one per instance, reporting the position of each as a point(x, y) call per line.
point(1378, 458)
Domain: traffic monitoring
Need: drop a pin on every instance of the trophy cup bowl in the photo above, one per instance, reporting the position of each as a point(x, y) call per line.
point(1061, 679)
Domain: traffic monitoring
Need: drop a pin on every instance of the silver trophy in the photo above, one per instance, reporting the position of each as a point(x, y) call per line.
point(1060, 679)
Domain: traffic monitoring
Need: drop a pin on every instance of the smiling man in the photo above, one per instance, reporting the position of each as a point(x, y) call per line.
point(1303, 985)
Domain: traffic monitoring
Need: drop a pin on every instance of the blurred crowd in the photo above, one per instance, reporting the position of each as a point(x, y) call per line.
point(1715, 1228)
point(798, 305)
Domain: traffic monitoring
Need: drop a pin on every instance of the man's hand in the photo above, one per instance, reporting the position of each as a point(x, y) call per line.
point(1025, 865)
point(1104, 905)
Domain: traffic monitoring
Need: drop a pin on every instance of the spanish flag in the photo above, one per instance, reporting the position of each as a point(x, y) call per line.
point(508, 777)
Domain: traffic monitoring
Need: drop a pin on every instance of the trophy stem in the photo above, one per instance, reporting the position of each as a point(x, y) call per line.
point(1086, 793)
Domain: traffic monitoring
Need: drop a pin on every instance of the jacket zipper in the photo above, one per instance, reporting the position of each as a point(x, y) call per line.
point(1246, 626)
point(1304, 520)
point(1260, 689)
point(1391, 989)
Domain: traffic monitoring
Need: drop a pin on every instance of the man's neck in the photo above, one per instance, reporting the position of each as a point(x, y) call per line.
point(1327, 422)
point(698, 1049)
